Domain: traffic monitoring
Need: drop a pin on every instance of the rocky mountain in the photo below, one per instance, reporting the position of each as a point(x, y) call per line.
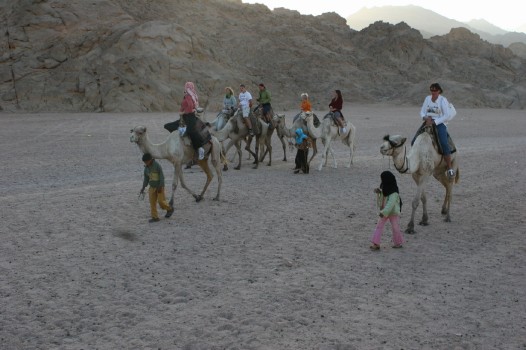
point(430, 23)
point(136, 55)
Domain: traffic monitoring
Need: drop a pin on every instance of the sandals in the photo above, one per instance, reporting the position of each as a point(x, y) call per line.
point(374, 247)
point(397, 246)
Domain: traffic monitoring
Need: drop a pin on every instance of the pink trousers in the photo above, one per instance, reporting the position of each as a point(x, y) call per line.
point(395, 226)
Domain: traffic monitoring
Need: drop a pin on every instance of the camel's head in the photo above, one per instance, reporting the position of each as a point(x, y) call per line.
point(279, 120)
point(137, 133)
point(391, 143)
point(306, 115)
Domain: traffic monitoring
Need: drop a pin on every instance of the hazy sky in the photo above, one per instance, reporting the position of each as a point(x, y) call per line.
point(505, 14)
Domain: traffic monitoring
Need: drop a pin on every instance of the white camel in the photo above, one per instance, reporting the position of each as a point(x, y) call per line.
point(290, 132)
point(328, 131)
point(178, 151)
point(421, 161)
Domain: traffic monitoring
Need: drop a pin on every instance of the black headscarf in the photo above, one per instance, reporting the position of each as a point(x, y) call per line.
point(389, 185)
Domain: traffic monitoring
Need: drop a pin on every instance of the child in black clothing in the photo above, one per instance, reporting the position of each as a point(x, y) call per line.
point(303, 143)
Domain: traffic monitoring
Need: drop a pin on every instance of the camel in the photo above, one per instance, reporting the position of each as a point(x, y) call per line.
point(220, 121)
point(236, 131)
point(328, 131)
point(179, 152)
point(282, 129)
point(281, 137)
point(421, 161)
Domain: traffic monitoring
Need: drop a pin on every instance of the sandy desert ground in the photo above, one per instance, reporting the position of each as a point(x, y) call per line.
point(282, 261)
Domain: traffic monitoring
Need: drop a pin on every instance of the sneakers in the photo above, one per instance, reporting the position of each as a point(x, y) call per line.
point(343, 130)
point(251, 132)
point(182, 130)
point(169, 213)
point(154, 220)
point(450, 173)
point(201, 153)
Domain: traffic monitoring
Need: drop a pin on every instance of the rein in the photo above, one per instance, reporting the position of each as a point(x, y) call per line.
point(405, 159)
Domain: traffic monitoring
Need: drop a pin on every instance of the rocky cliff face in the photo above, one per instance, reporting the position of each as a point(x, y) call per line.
point(135, 55)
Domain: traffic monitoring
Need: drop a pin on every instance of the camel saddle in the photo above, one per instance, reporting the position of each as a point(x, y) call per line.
point(333, 116)
point(434, 136)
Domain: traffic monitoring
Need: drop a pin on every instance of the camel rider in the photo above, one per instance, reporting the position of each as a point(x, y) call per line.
point(229, 102)
point(335, 107)
point(195, 128)
point(264, 100)
point(435, 110)
point(245, 103)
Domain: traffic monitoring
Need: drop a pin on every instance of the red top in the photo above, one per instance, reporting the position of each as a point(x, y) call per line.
point(336, 103)
point(188, 105)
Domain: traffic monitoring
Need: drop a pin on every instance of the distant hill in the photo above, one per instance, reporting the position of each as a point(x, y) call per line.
point(430, 23)
point(135, 56)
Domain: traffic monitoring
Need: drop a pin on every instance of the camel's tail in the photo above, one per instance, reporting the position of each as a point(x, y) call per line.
point(222, 157)
point(349, 138)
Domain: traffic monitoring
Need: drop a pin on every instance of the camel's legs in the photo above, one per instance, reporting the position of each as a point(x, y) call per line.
point(350, 143)
point(414, 205)
point(219, 180)
point(175, 182)
point(449, 194)
point(268, 149)
point(204, 165)
point(419, 196)
point(327, 147)
point(425, 218)
point(314, 150)
point(284, 144)
point(254, 154)
point(179, 174)
point(323, 155)
point(236, 143)
point(335, 162)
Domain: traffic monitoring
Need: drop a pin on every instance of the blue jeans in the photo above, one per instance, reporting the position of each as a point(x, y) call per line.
point(442, 138)
point(266, 108)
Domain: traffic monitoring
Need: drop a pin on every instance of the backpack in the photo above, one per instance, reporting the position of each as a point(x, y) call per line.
point(452, 112)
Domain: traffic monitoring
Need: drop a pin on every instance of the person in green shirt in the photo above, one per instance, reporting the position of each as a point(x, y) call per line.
point(153, 176)
point(264, 100)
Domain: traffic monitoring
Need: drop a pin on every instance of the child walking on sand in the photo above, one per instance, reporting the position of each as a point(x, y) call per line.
point(153, 176)
point(390, 204)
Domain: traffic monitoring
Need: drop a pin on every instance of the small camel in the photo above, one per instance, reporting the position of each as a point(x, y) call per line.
point(328, 131)
point(175, 150)
point(281, 127)
point(281, 137)
point(421, 161)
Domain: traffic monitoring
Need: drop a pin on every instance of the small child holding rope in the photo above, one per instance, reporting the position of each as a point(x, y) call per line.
point(390, 205)
point(153, 176)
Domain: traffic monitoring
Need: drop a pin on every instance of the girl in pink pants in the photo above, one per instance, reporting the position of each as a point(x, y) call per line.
point(390, 204)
